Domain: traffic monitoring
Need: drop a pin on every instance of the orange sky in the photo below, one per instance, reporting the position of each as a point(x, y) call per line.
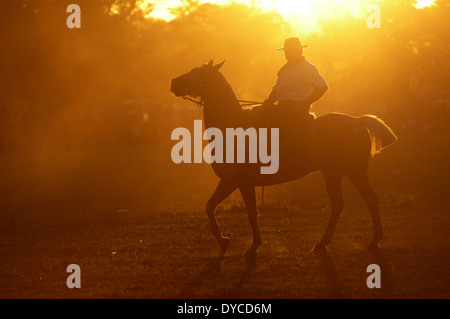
point(305, 13)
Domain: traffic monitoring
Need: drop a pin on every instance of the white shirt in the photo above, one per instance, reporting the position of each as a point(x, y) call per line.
point(297, 83)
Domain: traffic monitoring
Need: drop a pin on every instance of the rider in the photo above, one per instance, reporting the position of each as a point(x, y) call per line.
point(299, 82)
point(299, 85)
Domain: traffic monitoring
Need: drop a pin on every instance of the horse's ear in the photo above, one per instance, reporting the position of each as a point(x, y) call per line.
point(210, 63)
point(218, 66)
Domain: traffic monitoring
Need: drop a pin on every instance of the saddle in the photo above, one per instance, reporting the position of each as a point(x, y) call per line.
point(297, 138)
point(296, 121)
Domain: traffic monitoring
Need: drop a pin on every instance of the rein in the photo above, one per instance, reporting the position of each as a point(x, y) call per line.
point(199, 103)
point(249, 103)
point(243, 102)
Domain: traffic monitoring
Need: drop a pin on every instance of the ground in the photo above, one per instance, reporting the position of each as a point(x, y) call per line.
point(135, 224)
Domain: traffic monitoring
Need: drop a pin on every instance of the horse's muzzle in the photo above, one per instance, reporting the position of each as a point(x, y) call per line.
point(175, 88)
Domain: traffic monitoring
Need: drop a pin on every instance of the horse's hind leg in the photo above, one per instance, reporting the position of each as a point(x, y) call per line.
point(333, 182)
point(248, 194)
point(361, 181)
point(222, 191)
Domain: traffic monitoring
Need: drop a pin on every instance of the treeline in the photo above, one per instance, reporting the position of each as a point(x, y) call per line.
point(108, 82)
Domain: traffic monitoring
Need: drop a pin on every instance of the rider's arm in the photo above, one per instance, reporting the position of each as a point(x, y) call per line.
point(316, 94)
point(272, 97)
point(319, 84)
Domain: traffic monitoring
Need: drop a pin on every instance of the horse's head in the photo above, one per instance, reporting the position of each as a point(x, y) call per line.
point(193, 83)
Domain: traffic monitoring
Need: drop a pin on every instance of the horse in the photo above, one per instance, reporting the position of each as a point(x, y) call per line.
point(345, 144)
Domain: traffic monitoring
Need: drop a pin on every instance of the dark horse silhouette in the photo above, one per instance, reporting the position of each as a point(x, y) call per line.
point(344, 147)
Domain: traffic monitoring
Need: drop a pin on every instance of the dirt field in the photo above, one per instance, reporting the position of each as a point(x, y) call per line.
point(136, 226)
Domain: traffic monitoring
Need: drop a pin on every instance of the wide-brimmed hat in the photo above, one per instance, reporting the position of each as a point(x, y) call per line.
point(293, 43)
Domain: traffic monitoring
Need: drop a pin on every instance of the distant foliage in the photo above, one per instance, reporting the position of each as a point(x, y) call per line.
point(68, 87)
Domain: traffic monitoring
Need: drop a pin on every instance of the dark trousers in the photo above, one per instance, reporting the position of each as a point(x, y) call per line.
point(297, 133)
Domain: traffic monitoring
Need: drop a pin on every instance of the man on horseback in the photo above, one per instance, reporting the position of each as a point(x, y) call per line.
point(344, 144)
point(299, 85)
point(299, 82)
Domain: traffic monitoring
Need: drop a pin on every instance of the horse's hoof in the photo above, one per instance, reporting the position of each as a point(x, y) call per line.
point(320, 248)
point(224, 242)
point(250, 257)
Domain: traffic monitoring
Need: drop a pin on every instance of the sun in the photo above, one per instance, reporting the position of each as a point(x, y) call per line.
point(287, 7)
point(424, 3)
point(304, 13)
point(300, 14)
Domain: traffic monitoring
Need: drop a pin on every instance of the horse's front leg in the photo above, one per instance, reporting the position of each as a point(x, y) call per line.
point(223, 190)
point(248, 194)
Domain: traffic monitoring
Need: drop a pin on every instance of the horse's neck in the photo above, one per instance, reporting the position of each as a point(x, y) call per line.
point(221, 106)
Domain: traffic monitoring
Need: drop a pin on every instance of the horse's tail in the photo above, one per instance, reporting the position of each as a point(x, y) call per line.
point(381, 135)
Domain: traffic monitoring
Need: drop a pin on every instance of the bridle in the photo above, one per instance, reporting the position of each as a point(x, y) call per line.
point(199, 103)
